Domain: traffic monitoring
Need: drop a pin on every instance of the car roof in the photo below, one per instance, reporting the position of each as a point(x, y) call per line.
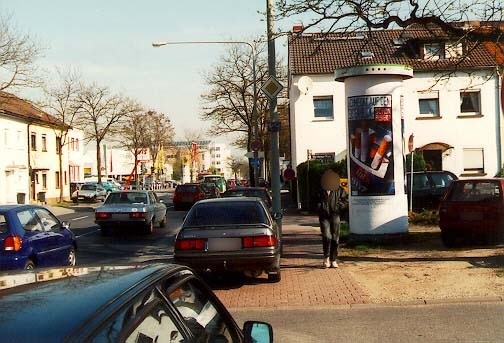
point(131, 191)
point(240, 189)
point(229, 199)
point(42, 305)
point(8, 207)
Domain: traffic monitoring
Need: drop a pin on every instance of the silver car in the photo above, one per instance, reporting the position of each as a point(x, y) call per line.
point(131, 209)
point(89, 192)
point(230, 234)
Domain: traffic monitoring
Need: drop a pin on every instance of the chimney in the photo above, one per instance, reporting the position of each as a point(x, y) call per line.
point(297, 28)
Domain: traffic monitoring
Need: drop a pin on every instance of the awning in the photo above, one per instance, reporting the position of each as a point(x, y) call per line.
point(12, 167)
point(436, 146)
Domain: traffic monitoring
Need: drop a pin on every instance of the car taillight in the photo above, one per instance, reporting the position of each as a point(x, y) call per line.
point(259, 241)
point(13, 243)
point(190, 244)
point(137, 215)
point(102, 215)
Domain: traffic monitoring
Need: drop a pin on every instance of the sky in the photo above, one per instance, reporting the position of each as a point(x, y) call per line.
point(109, 42)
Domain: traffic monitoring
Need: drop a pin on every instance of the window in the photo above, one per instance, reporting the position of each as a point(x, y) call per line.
point(57, 174)
point(33, 141)
point(323, 107)
point(44, 181)
point(44, 143)
point(473, 161)
point(433, 51)
point(49, 221)
point(3, 224)
point(428, 103)
point(76, 144)
point(470, 102)
point(28, 221)
point(58, 145)
point(65, 177)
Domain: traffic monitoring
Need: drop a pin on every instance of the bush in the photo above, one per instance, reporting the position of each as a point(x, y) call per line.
point(426, 217)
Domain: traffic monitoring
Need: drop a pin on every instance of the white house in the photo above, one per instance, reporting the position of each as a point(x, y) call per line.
point(452, 104)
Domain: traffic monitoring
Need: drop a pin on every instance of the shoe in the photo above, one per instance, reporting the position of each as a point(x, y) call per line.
point(327, 264)
point(334, 264)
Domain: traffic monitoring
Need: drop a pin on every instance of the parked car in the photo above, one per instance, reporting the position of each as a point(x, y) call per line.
point(233, 183)
point(428, 188)
point(259, 192)
point(230, 234)
point(186, 195)
point(211, 190)
point(136, 209)
point(219, 181)
point(31, 236)
point(153, 303)
point(472, 207)
point(89, 192)
point(109, 187)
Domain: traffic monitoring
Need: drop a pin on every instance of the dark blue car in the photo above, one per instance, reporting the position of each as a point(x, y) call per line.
point(145, 304)
point(31, 237)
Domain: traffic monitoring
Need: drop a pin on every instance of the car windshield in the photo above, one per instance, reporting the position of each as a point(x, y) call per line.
point(127, 198)
point(474, 191)
point(207, 186)
point(226, 213)
point(88, 187)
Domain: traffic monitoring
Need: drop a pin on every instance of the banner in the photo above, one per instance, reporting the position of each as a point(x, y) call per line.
point(371, 145)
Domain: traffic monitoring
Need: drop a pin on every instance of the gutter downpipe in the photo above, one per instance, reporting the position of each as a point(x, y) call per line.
point(500, 111)
point(30, 171)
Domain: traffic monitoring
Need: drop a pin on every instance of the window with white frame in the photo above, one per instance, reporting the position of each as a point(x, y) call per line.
point(428, 103)
point(44, 143)
point(469, 102)
point(433, 51)
point(323, 107)
point(473, 161)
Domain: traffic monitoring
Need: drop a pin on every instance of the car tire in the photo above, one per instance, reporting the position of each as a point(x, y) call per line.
point(448, 238)
point(162, 223)
point(149, 227)
point(29, 265)
point(72, 259)
point(274, 277)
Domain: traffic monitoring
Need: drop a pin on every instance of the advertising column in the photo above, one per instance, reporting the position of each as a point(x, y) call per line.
point(378, 200)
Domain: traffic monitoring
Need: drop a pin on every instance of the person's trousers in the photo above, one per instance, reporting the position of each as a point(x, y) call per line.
point(330, 229)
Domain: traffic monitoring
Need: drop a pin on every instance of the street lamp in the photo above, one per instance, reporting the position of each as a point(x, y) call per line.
point(255, 127)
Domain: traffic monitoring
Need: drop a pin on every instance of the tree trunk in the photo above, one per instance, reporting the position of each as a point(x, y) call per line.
point(60, 162)
point(98, 161)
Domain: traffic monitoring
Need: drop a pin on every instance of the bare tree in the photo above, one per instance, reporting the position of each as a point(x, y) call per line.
point(160, 133)
point(237, 165)
point(62, 101)
point(102, 114)
point(18, 53)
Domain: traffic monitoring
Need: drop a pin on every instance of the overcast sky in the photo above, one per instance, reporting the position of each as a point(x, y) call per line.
point(109, 42)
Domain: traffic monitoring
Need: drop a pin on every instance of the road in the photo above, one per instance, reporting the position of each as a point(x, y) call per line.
point(367, 324)
point(129, 248)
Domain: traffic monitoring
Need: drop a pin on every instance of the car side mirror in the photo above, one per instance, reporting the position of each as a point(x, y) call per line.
point(259, 332)
point(277, 215)
point(65, 225)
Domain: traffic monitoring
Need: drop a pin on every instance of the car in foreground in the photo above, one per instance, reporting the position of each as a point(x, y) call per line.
point(153, 303)
point(211, 190)
point(140, 210)
point(91, 192)
point(186, 195)
point(230, 234)
point(260, 192)
point(31, 237)
point(472, 208)
point(428, 188)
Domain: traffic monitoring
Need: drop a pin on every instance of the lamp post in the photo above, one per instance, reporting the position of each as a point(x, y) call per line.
point(255, 126)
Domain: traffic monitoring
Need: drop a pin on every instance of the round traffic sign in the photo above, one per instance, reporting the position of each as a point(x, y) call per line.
point(289, 174)
point(255, 145)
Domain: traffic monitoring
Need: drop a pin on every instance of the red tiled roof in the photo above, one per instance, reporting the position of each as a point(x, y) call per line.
point(14, 106)
point(322, 53)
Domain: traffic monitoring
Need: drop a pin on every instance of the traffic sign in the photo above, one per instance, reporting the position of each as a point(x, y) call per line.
point(255, 145)
point(255, 162)
point(271, 87)
point(289, 174)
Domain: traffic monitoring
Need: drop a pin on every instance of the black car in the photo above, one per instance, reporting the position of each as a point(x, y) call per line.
point(259, 192)
point(156, 303)
point(428, 188)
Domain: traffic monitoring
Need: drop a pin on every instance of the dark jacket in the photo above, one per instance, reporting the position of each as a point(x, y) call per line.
point(336, 202)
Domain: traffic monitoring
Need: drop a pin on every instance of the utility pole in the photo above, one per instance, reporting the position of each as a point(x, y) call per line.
point(273, 115)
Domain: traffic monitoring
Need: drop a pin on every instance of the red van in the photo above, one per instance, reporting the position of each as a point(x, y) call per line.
point(472, 207)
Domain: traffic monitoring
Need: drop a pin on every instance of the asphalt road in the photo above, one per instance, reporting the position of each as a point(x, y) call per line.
point(93, 249)
point(367, 324)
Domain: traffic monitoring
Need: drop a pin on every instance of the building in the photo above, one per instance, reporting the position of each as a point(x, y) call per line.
point(29, 169)
point(452, 104)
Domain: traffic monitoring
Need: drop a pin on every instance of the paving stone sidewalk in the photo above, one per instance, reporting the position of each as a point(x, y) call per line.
point(304, 281)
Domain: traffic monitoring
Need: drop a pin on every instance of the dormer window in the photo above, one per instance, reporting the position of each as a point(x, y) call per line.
point(433, 51)
point(442, 50)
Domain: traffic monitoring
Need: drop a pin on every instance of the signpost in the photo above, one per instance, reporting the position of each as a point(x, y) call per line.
point(412, 152)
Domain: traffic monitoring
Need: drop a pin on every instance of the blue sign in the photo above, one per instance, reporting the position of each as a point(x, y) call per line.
point(255, 162)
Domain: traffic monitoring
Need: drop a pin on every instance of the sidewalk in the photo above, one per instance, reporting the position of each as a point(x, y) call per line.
point(304, 281)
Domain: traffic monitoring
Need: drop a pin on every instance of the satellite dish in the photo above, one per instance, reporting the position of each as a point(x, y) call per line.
point(304, 84)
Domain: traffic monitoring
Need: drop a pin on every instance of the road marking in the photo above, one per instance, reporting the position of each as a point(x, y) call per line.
point(86, 234)
point(79, 218)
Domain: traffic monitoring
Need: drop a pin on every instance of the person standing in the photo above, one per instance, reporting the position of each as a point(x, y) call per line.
point(333, 200)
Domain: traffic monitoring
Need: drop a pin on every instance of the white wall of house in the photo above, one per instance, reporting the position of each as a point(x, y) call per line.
point(14, 173)
point(75, 148)
point(477, 134)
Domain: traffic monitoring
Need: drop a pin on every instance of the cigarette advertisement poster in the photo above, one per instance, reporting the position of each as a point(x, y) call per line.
point(371, 145)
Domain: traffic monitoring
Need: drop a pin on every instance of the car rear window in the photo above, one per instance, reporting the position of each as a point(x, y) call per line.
point(472, 191)
point(88, 187)
point(3, 224)
point(187, 188)
point(127, 198)
point(226, 213)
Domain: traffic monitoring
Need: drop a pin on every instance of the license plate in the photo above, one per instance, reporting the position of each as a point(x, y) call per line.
point(120, 216)
point(224, 244)
point(471, 216)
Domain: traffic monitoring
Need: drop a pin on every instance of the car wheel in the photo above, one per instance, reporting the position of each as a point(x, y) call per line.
point(162, 223)
point(72, 259)
point(149, 227)
point(29, 265)
point(448, 238)
point(274, 277)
